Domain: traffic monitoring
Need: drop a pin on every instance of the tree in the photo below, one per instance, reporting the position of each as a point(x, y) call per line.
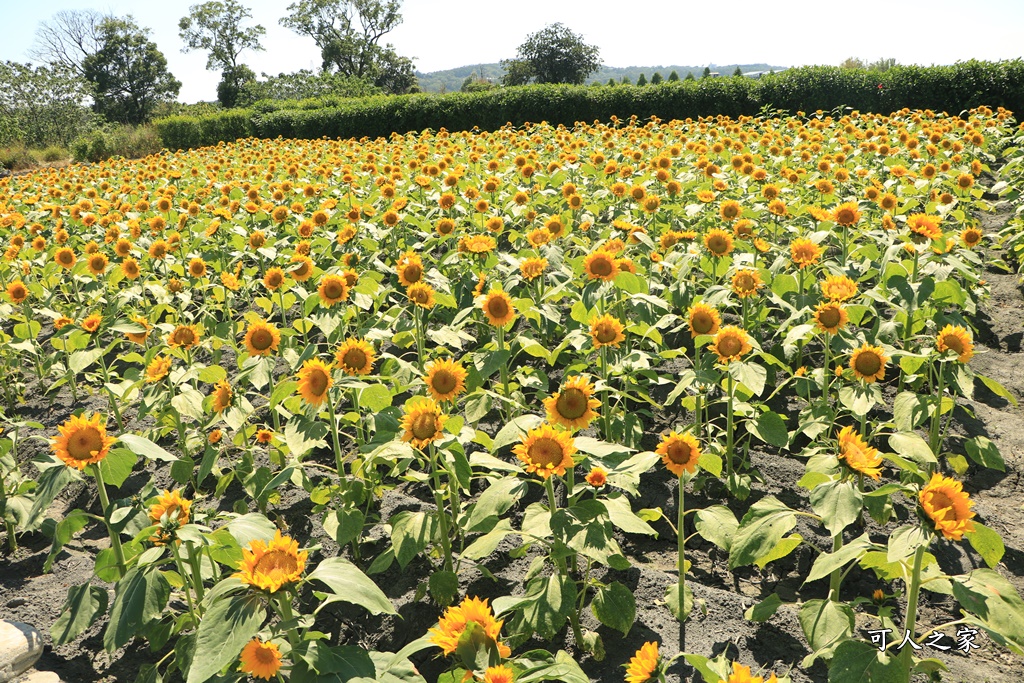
point(232, 81)
point(852, 63)
point(657, 79)
point(302, 85)
point(882, 64)
point(128, 73)
point(68, 38)
point(348, 33)
point(42, 105)
point(552, 55)
point(673, 77)
point(737, 72)
point(642, 80)
point(707, 72)
point(690, 76)
point(216, 26)
point(611, 81)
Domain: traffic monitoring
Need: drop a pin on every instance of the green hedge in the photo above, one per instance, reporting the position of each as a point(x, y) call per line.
point(952, 89)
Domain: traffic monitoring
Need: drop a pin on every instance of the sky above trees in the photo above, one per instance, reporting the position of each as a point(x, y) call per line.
point(459, 32)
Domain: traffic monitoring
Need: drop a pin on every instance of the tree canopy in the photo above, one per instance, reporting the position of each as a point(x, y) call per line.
point(68, 38)
point(552, 55)
point(216, 26)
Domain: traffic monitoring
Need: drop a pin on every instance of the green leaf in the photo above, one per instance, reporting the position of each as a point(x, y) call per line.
point(987, 543)
point(751, 375)
point(228, 624)
point(781, 549)
point(302, 436)
point(551, 605)
point(444, 587)
point(189, 403)
point(485, 545)
point(410, 534)
point(514, 431)
point(839, 503)
point(621, 514)
point(904, 541)
point(985, 453)
point(995, 606)
point(711, 670)
point(826, 563)
point(761, 529)
point(322, 663)
point(857, 661)
point(909, 411)
point(351, 585)
point(85, 604)
point(615, 607)
point(912, 447)
point(213, 374)
point(770, 428)
point(494, 502)
point(718, 525)
point(141, 597)
point(764, 610)
point(825, 623)
point(375, 398)
point(80, 360)
point(344, 525)
point(562, 668)
point(997, 388)
point(672, 600)
point(249, 527)
point(146, 448)
point(65, 529)
point(117, 466)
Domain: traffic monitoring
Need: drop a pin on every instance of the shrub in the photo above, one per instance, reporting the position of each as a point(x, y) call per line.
point(126, 141)
point(16, 157)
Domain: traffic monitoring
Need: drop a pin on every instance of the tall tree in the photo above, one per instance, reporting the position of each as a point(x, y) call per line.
point(216, 26)
point(128, 73)
point(348, 33)
point(68, 38)
point(552, 55)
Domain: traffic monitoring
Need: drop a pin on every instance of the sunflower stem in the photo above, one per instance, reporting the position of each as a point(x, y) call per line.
point(574, 617)
point(284, 311)
point(115, 540)
point(606, 409)
point(442, 517)
point(503, 368)
point(729, 423)
point(681, 539)
point(181, 570)
point(420, 342)
point(825, 370)
point(697, 408)
point(915, 587)
point(359, 418)
point(195, 559)
point(284, 605)
point(836, 577)
point(934, 434)
point(338, 460)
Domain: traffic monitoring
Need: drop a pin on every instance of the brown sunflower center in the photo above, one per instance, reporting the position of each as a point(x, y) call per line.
point(545, 451)
point(951, 341)
point(184, 336)
point(84, 442)
point(497, 307)
point(333, 289)
point(265, 656)
point(717, 245)
point(424, 426)
point(679, 452)
point(276, 562)
point(317, 381)
point(355, 358)
point(972, 237)
point(571, 403)
point(745, 283)
point(262, 339)
point(605, 333)
point(868, 363)
point(66, 257)
point(729, 346)
point(274, 279)
point(702, 322)
point(97, 262)
point(443, 381)
point(601, 267)
point(829, 317)
point(412, 272)
point(302, 270)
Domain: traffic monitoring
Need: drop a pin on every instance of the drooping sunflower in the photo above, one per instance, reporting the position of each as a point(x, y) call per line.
point(170, 507)
point(546, 451)
point(421, 294)
point(718, 242)
point(643, 666)
point(532, 268)
point(158, 368)
point(261, 338)
point(831, 317)
point(948, 506)
point(730, 343)
point(423, 422)
point(82, 441)
point(957, 339)
point(868, 363)
point(859, 456)
point(184, 336)
point(746, 282)
point(453, 622)
point(607, 330)
point(332, 289)
point(222, 396)
point(703, 319)
point(355, 357)
point(271, 566)
point(573, 407)
point(260, 660)
point(804, 252)
point(314, 381)
point(446, 379)
point(497, 307)
point(838, 288)
point(600, 265)
point(17, 291)
point(925, 226)
point(846, 214)
point(679, 452)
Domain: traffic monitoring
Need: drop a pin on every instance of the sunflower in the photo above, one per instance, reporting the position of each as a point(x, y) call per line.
point(846, 214)
point(355, 357)
point(423, 422)
point(831, 317)
point(804, 252)
point(271, 566)
point(546, 451)
point(479, 244)
point(410, 269)
point(197, 267)
point(679, 452)
point(82, 441)
point(499, 674)
point(17, 291)
point(264, 436)
point(452, 624)
point(97, 263)
point(62, 321)
point(948, 506)
point(170, 507)
point(222, 396)
point(746, 282)
point(607, 331)
point(730, 343)
point(184, 336)
point(497, 307)
point(925, 226)
point(955, 338)
point(858, 455)
point(600, 265)
point(597, 477)
point(273, 279)
point(261, 338)
point(158, 368)
point(130, 268)
point(718, 242)
point(158, 249)
point(332, 290)
point(971, 237)
point(533, 268)
point(572, 407)
point(741, 674)
point(314, 381)
point(260, 660)
point(703, 319)
point(643, 666)
point(730, 210)
point(65, 258)
point(92, 322)
point(838, 288)
point(868, 363)
point(303, 269)
point(446, 379)
point(422, 295)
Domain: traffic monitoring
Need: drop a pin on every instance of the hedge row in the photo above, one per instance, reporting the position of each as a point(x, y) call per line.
point(952, 89)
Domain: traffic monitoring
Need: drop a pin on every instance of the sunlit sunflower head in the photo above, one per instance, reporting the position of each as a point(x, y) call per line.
point(422, 295)
point(597, 477)
point(746, 282)
point(804, 252)
point(260, 659)
point(222, 396)
point(955, 338)
point(868, 363)
point(97, 263)
point(82, 441)
point(718, 242)
point(600, 265)
point(273, 279)
point(453, 623)
point(643, 665)
point(846, 214)
point(355, 357)
point(332, 289)
point(574, 405)
point(170, 509)
point(92, 322)
point(924, 226)
point(261, 338)
point(130, 268)
point(446, 379)
point(272, 566)
point(831, 317)
point(158, 368)
point(423, 422)
point(679, 452)
point(532, 268)
point(730, 210)
point(948, 506)
point(838, 288)
point(197, 267)
point(546, 450)
point(65, 258)
point(730, 343)
point(183, 337)
point(970, 237)
point(499, 674)
point(703, 319)
point(302, 268)
point(498, 308)
point(741, 674)
point(410, 269)
point(314, 381)
point(607, 330)
point(858, 455)
point(17, 291)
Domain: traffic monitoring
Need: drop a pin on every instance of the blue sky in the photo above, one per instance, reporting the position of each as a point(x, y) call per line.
point(442, 35)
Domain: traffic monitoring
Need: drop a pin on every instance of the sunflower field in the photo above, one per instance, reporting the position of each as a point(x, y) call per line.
point(540, 403)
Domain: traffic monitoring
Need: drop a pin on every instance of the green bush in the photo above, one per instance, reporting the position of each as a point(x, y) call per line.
point(127, 141)
point(52, 153)
point(16, 157)
point(952, 89)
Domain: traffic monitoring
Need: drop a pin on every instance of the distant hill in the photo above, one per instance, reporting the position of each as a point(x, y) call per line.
point(450, 80)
